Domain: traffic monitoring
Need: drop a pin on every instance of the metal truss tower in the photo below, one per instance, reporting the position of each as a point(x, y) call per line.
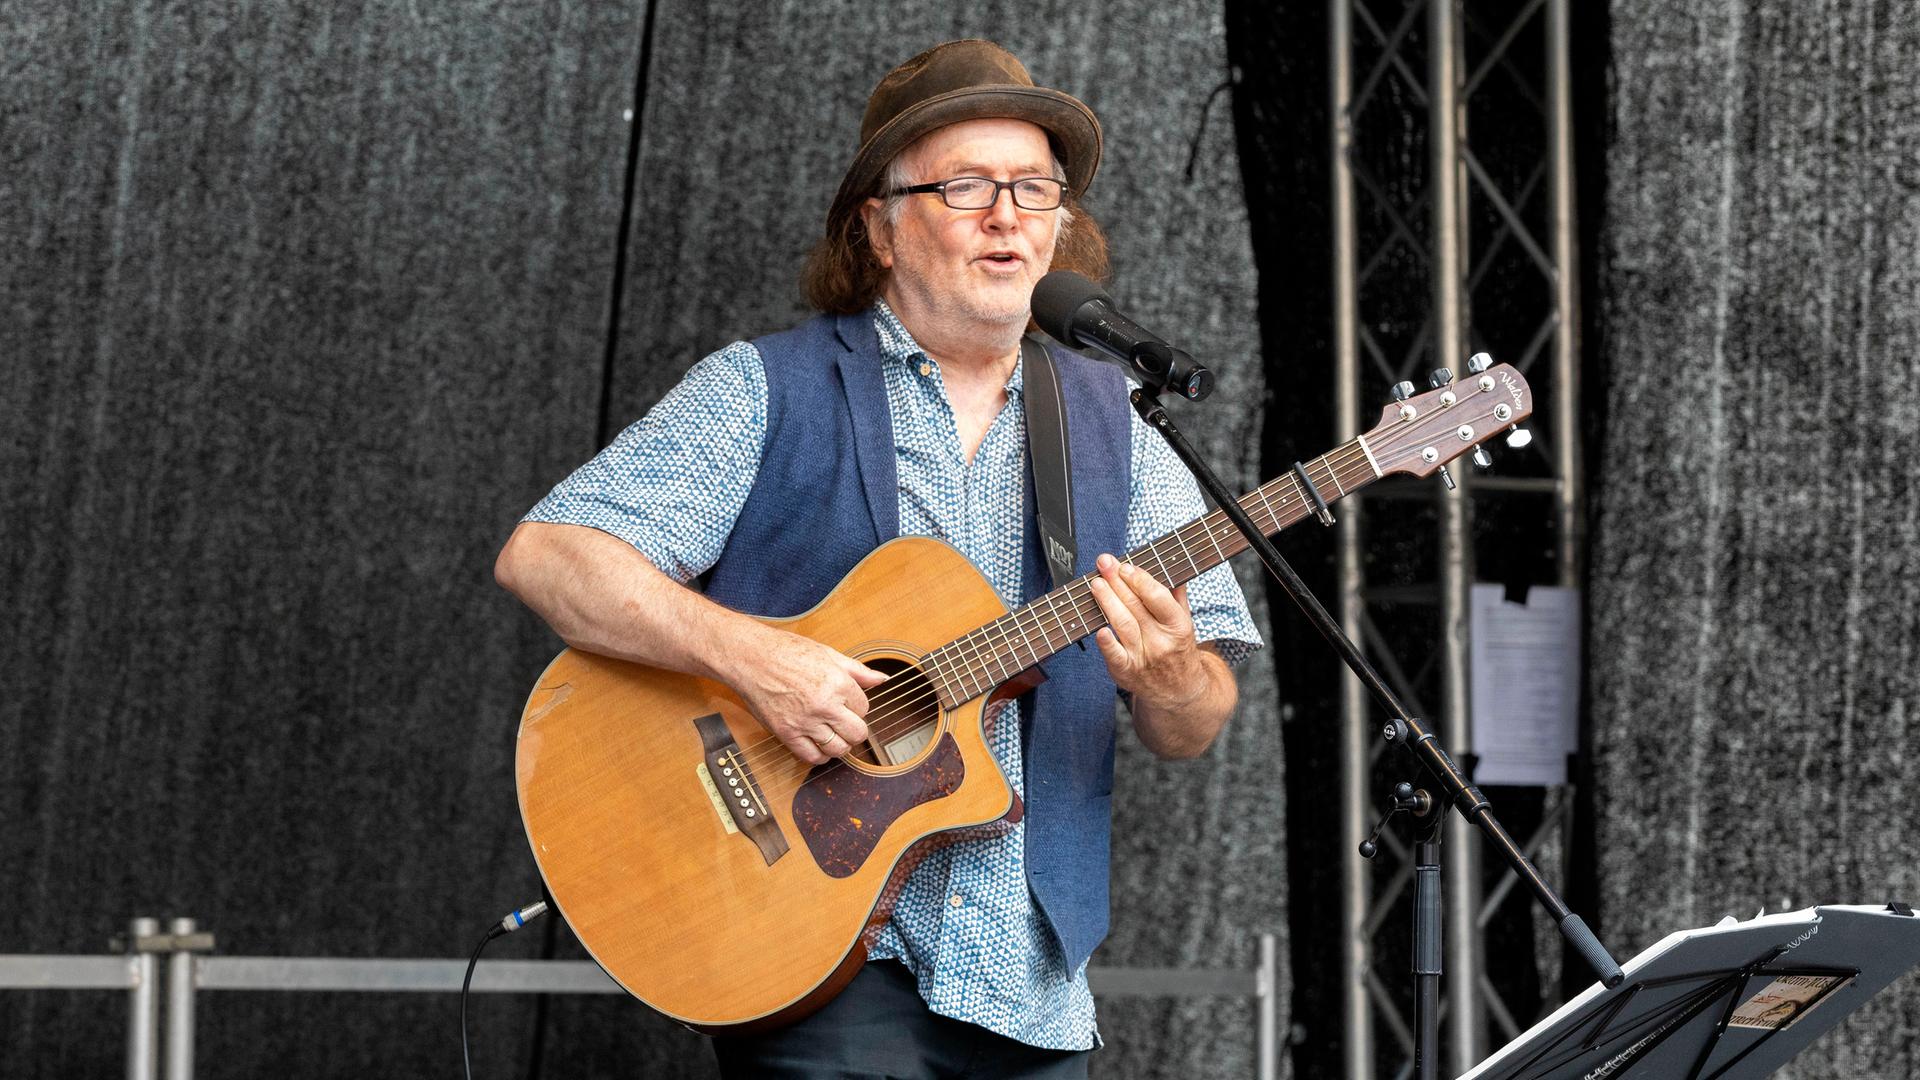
point(1453, 232)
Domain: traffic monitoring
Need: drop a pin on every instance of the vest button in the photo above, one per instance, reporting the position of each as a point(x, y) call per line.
point(926, 368)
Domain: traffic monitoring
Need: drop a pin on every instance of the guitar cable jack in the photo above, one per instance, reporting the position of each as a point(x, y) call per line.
point(517, 919)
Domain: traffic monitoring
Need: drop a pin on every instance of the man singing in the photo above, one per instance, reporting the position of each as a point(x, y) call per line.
point(776, 465)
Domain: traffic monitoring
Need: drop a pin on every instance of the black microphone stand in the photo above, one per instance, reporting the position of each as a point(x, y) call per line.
point(1409, 733)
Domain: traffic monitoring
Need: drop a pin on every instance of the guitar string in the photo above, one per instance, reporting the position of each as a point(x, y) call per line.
point(782, 780)
point(908, 703)
point(886, 711)
point(911, 699)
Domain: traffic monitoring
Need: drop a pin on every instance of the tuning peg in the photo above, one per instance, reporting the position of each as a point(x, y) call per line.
point(1478, 363)
point(1402, 391)
point(1440, 377)
point(1518, 438)
point(1482, 458)
point(1447, 478)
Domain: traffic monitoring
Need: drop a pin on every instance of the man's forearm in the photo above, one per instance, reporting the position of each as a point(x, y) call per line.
point(1183, 726)
point(601, 595)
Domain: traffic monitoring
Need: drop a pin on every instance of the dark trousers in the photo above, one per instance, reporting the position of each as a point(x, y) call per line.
point(880, 1028)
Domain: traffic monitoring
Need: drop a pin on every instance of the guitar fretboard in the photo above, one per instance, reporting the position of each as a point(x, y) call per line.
point(976, 662)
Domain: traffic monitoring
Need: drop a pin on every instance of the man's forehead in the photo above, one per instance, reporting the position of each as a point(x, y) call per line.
point(984, 145)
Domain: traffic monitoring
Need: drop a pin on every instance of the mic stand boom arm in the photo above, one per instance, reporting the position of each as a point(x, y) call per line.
point(1404, 729)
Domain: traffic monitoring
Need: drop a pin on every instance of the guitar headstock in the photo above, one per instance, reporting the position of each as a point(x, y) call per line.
point(1423, 432)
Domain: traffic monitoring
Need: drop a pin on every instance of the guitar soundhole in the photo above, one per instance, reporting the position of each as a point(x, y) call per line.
point(903, 714)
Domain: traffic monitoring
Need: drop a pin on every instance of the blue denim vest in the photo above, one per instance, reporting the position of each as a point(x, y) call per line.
point(826, 495)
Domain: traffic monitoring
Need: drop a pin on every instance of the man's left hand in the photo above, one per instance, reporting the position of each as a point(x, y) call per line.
point(1148, 640)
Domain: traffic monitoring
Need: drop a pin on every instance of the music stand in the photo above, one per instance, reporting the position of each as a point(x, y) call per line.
point(1733, 1001)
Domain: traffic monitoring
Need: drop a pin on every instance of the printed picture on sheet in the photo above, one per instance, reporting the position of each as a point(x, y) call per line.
point(1784, 1001)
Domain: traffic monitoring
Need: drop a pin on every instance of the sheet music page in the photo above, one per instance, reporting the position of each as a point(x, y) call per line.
point(1525, 684)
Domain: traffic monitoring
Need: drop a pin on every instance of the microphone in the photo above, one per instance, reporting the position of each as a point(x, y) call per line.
point(1078, 313)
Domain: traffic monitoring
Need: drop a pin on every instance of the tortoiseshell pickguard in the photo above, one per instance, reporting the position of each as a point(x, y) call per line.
point(842, 812)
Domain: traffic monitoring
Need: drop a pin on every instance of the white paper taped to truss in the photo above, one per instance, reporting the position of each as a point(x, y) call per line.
point(1524, 664)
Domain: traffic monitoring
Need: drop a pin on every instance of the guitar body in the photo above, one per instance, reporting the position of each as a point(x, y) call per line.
point(630, 788)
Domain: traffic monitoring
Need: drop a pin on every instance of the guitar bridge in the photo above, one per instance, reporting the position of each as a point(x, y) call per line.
point(731, 782)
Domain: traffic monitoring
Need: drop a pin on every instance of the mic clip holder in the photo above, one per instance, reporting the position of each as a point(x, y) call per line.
point(1162, 367)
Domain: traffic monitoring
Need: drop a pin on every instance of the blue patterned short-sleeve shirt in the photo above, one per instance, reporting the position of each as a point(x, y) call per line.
point(673, 484)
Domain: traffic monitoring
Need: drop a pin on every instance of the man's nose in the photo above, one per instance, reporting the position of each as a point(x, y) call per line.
point(1003, 212)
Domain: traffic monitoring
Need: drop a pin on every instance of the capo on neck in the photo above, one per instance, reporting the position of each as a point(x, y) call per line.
point(1319, 504)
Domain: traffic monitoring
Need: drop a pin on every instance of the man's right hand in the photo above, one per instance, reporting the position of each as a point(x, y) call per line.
point(809, 696)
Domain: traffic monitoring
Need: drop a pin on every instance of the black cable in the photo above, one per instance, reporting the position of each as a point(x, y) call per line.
point(623, 237)
point(549, 944)
point(514, 921)
point(466, 1058)
point(1193, 150)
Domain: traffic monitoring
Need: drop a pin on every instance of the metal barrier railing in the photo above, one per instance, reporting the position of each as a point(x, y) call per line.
point(191, 969)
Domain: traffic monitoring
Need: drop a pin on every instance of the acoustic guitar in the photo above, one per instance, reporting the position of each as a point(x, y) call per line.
point(733, 887)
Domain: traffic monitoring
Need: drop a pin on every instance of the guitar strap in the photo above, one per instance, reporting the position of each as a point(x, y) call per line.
point(1048, 457)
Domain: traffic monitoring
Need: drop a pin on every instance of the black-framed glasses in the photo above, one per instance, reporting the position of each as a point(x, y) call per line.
point(978, 192)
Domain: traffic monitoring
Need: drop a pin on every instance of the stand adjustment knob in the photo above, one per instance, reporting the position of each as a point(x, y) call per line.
point(1402, 391)
point(1405, 800)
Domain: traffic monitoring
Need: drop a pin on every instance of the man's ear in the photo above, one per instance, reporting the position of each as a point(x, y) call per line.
point(873, 213)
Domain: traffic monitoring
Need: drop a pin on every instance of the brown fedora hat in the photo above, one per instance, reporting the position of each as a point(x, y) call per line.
point(956, 81)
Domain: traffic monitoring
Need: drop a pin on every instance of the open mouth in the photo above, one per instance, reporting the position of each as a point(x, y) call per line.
point(1001, 258)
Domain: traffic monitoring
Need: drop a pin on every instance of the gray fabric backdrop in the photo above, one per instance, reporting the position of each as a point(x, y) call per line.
point(302, 305)
point(299, 302)
point(1756, 558)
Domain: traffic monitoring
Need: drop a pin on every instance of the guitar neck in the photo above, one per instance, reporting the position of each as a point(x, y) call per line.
point(976, 662)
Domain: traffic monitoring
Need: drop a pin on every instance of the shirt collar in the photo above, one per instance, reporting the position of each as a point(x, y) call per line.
point(898, 347)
